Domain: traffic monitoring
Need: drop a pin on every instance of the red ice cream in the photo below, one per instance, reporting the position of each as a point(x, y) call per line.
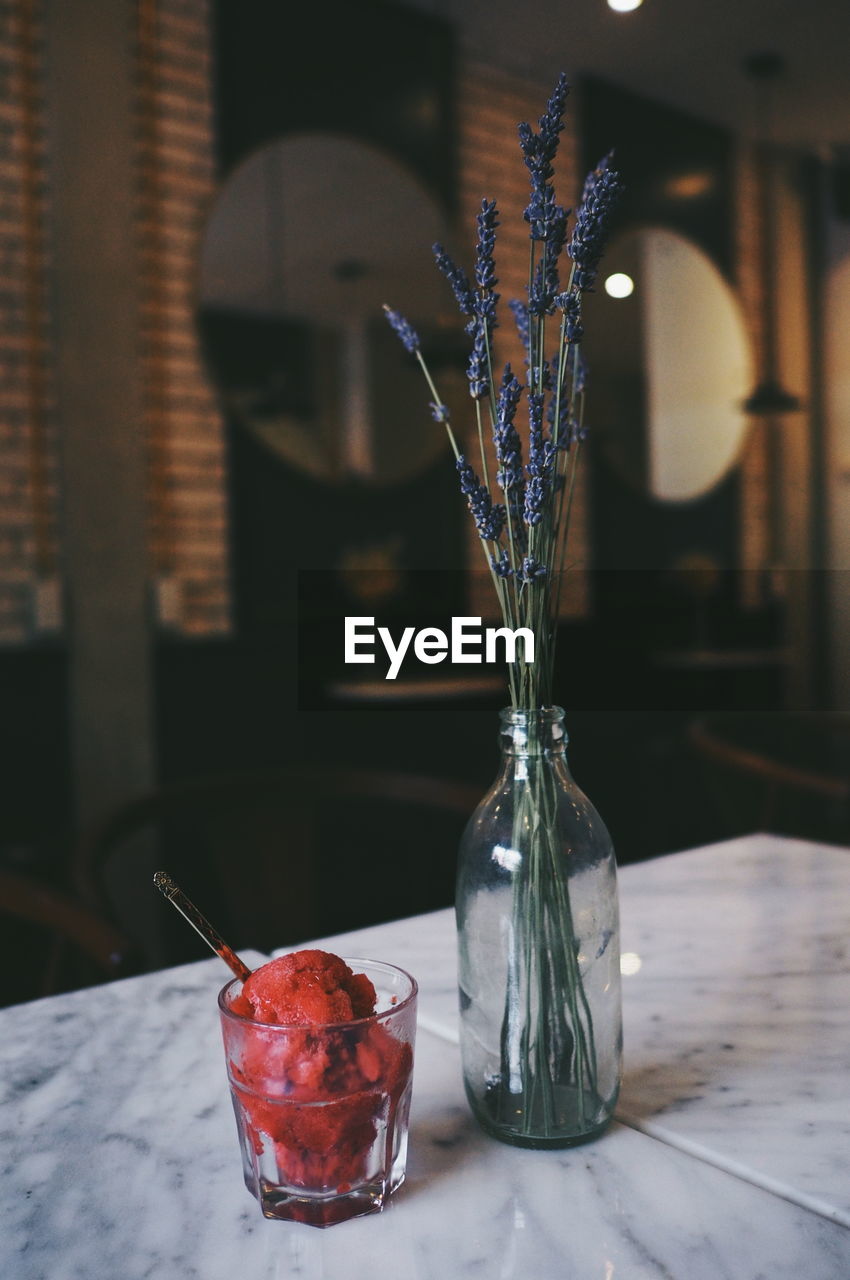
point(306, 989)
point(357, 1073)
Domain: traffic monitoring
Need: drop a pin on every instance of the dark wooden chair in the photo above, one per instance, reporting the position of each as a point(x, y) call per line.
point(53, 942)
point(781, 772)
point(277, 856)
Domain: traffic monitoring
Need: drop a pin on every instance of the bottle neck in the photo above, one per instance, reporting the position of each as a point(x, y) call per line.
point(526, 734)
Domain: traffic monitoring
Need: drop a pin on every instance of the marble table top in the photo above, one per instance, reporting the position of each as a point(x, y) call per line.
point(736, 1007)
point(730, 1158)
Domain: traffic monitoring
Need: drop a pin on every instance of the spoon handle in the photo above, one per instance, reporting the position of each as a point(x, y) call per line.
point(200, 924)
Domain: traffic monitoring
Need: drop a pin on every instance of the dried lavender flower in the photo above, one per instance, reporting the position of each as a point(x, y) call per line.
point(489, 517)
point(501, 567)
point(570, 304)
point(532, 516)
point(485, 267)
point(478, 371)
point(552, 121)
point(531, 570)
point(602, 190)
point(539, 150)
point(536, 486)
point(404, 329)
point(505, 436)
point(561, 432)
point(520, 313)
point(458, 280)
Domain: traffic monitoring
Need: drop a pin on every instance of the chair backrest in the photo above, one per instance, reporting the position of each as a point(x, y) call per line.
point(281, 855)
point(781, 772)
point(43, 955)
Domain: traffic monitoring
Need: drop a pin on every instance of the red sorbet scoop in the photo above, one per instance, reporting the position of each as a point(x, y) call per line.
point(307, 988)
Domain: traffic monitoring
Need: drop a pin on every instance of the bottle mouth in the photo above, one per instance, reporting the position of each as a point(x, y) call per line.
point(536, 730)
point(522, 716)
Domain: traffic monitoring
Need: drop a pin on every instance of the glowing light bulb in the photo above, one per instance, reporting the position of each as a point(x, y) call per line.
point(630, 963)
point(624, 6)
point(619, 285)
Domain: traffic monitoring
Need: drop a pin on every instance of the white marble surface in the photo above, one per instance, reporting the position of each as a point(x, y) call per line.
point(119, 1149)
point(737, 1023)
point(120, 1161)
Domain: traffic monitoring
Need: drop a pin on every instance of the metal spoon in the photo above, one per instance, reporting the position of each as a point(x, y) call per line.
point(200, 924)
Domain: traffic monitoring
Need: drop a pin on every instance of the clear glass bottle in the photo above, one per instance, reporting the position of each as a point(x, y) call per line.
point(538, 943)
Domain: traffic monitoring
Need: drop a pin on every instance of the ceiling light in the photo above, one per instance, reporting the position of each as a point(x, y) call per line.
point(619, 285)
point(624, 6)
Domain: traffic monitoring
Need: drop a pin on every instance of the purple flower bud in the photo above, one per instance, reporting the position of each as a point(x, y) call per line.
point(478, 371)
point(520, 311)
point(489, 517)
point(458, 280)
point(602, 190)
point(539, 151)
point(485, 267)
point(502, 566)
point(531, 570)
point(404, 329)
point(505, 436)
point(537, 485)
point(570, 304)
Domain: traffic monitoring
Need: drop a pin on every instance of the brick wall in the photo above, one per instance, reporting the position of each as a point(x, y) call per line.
point(187, 495)
point(28, 455)
point(186, 489)
point(187, 483)
point(490, 105)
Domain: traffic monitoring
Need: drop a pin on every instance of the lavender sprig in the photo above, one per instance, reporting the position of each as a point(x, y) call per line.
point(539, 151)
point(405, 330)
point(520, 313)
point(531, 571)
point(485, 266)
point(536, 467)
point(458, 280)
point(537, 491)
point(505, 436)
point(546, 280)
point(478, 369)
point(602, 190)
point(502, 567)
point(489, 517)
point(559, 404)
point(570, 305)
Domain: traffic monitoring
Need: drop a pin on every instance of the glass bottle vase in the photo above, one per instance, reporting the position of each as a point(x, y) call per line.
point(538, 947)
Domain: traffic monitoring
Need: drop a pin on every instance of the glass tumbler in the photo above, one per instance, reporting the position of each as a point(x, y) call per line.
point(322, 1111)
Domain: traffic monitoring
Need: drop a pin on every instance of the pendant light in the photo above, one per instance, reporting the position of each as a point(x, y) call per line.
point(769, 398)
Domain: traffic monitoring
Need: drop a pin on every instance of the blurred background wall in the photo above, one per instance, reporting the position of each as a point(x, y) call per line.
point(196, 407)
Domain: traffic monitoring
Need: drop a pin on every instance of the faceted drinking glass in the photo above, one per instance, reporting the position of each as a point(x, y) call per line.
point(322, 1111)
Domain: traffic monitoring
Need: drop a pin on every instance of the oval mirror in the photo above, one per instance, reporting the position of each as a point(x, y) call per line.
point(670, 365)
point(307, 239)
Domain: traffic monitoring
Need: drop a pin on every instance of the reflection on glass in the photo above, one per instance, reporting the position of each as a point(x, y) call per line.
point(671, 365)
